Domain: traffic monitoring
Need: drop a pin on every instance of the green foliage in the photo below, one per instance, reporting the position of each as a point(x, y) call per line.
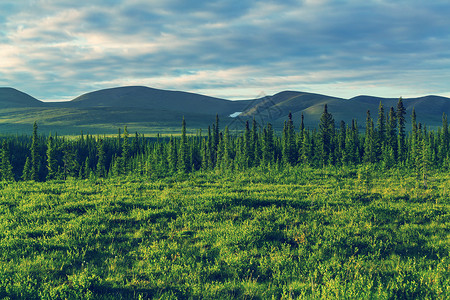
point(267, 232)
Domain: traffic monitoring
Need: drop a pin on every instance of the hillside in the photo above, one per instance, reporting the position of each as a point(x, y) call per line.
point(429, 109)
point(155, 99)
point(10, 97)
point(152, 111)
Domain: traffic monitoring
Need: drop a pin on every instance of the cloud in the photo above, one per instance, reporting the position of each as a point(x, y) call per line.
point(231, 49)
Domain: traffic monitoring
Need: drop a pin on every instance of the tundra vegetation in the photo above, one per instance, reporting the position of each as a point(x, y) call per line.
point(308, 213)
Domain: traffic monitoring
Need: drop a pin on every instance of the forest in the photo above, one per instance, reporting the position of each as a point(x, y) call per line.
point(333, 212)
point(385, 143)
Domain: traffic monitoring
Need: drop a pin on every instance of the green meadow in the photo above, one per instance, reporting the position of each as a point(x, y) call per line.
point(262, 233)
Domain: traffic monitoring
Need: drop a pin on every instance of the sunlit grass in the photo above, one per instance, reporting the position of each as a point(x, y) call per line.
point(262, 233)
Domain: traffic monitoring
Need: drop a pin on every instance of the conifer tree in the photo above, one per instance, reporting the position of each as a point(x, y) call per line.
point(226, 157)
point(101, 162)
point(6, 167)
point(125, 152)
point(380, 136)
point(268, 151)
point(86, 169)
point(183, 161)
point(341, 140)
point(414, 136)
point(70, 163)
point(391, 133)
point(444, 140)
point(401, 112)
point(300, 139)
point(52, 161)
point(35, 159)
point(216, 133)
point(253, 144)
point(289, 150)
point(246, 147)
point(26, 174)
point(351, 144)
point(204, 163)
point(369, 142)
point(307, 149)
point(326, 133)
point(423, 161)
point(173, 155)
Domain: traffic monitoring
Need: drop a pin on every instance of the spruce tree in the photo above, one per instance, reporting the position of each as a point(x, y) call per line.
point(183, 161)
point(326, 134)
point(391, 133)
point(173, 155)
point(226, 159)
point(52, 161)
point(35, 159)
point(6, 167)
point(444, 139)
point(380, 135)
point(125, 152)
point(369, 141)
point(300, 139)
point(86, 169)
point(246, 147)
point(70, 163)
point(253, 144)
point(101, 159)
point(401, 112)
point(414, 136)
point(341, 140)
point(26, 174)
point(268, 151)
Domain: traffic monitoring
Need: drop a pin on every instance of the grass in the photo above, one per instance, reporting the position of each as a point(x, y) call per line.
point(70, 121)
point(297, 233)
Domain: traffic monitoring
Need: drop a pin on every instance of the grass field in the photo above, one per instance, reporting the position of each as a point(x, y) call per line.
point(258, 234)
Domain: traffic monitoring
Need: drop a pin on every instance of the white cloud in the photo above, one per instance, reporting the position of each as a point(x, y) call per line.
point(232, 48)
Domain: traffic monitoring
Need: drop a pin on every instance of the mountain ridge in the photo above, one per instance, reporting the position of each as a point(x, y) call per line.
point(149, 109)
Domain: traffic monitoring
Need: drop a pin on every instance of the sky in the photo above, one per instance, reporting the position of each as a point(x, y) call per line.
point(234, 49)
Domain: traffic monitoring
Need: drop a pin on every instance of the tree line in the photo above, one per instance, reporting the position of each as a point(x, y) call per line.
point(384, 142)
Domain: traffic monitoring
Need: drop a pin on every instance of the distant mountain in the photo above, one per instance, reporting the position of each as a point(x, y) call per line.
point(10, 97)
point(429, 109)
point(149, 110)
point(149, 98)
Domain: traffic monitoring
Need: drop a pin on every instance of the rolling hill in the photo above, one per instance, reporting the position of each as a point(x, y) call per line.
point(429, 109)
point(10, 97)
point(152, 111)
point(155, 99)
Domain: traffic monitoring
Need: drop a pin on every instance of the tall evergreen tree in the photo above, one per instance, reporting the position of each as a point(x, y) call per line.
point(125, 152)
point(401, 112)
point(35, 159)
point(52, 160)
point(6, 167)
point(380, 137)
point(369, 141)
point(414, 136)
point(391, 133)
point(183, 155)
point(341, 140)
point(101, 159)
point(289, 150)
point(70, 163)
point(444, 140)
point(246, 147)
point(268, 145)
point(226, 156)
point(326, 134)
point(26, 174)
point(173, 155)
